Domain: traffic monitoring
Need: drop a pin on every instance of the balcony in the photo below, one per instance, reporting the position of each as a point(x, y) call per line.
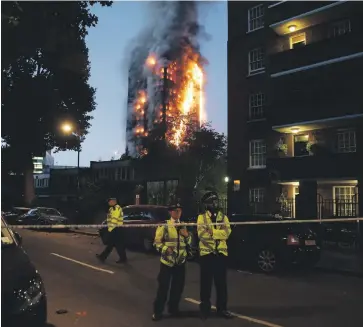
point(342, 165)
point(304, 14)
point(328, 51)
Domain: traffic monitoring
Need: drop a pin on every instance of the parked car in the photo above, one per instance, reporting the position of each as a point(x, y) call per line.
point(139, 214)
point(23, 297)
point(12, 215)
point(269, 247)
point(42, 216)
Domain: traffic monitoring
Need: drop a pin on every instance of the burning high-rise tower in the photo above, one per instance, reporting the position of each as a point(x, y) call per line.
point(166, 80)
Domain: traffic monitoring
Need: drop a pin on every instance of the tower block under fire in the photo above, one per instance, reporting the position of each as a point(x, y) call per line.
point(168, 97)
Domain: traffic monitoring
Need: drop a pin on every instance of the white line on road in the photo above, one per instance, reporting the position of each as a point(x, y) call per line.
point(250, 319)
point(83, 264)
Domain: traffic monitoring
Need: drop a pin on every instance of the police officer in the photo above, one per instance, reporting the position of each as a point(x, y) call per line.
point(116, 234)
point(171, 241)
point(213, 256)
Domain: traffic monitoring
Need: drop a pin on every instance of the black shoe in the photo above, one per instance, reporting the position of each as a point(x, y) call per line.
point(121, 261)
point(224, 314)
point(175, 313)
point(204, 315)
point(99, 257)
point(156, 317)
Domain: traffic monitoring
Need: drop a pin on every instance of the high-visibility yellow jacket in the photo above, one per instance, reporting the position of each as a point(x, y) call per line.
point(115, 217)
point(168, 237)
point(217, 242)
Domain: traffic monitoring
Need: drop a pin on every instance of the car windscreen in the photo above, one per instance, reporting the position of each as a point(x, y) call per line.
point(49, 212)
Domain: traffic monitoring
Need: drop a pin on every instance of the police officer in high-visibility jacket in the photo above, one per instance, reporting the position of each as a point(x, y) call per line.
point(116, 233)
point(213, 256)
point(171, 241)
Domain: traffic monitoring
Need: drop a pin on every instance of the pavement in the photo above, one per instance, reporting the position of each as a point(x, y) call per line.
point(94, 294)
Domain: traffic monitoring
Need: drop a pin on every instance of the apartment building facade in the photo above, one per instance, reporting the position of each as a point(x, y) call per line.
point(295, 108)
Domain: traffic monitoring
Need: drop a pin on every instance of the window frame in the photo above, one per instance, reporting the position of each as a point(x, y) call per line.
point(258, 19)
point(260, 107)
point(348, 203)
point(334, 25)
point(260, 190)
point(295, 36)
point(260, 51)
point(258, 141)
point(350, 148)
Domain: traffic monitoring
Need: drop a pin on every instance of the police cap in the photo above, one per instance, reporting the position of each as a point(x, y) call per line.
point(209, 197)
point(174, 206)
point(111, 199)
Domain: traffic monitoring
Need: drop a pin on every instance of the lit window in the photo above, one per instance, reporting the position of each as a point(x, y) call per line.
point(256, 105)
point(297, 41)
point(257, 195)
point(256, 60)
point(236, 185)
point(346, 141)
point(344, 201)
point(340, 28)
point(256, 18)
point(257, 154)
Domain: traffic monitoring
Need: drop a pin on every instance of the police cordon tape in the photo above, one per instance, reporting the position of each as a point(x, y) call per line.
point(133, 225)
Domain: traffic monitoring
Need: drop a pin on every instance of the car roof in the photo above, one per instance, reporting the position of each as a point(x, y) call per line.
point(22, 208)
point(145, 206)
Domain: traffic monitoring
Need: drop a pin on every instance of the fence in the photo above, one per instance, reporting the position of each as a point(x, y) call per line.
point(326, 208)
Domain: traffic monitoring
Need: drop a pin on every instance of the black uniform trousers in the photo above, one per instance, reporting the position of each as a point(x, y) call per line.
point(213, 267)
point(115, 240)
point(175, 275)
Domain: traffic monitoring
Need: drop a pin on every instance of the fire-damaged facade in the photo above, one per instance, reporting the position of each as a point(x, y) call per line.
point(295, 108)
point(166, 82)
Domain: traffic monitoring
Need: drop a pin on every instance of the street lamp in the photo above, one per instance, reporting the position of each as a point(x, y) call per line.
point(68, 129)
point(226, 179)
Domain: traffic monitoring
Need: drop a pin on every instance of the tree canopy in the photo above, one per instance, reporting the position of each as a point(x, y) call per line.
point(204, 152)
point(45, 73)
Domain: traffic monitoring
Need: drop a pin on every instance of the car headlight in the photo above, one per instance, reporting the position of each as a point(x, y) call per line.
point(32, 295)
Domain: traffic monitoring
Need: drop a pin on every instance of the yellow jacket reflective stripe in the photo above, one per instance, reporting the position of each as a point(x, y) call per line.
point(115, 217)
point(217, 242)
point(166, 237)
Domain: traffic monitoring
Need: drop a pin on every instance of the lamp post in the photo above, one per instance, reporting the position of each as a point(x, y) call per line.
point(68, 129)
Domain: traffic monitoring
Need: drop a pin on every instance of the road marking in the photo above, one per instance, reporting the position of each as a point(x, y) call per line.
point(83, 264)
point(244, 272)
point(250, 319)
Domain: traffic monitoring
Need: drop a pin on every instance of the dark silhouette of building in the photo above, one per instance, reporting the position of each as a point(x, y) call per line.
point(295, 108)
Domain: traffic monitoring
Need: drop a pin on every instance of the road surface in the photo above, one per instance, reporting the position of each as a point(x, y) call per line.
point(96, 295)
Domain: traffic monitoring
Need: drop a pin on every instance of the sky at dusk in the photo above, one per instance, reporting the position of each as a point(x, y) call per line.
point(108, 43)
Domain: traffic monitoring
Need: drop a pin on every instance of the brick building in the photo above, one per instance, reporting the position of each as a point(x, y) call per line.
point(295, 108)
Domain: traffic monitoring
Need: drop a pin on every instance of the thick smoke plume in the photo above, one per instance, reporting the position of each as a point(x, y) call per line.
point(172, 29)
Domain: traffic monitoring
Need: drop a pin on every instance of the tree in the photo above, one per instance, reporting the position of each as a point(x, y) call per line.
point(193, 163)
point(45, 72)
point(205, 148)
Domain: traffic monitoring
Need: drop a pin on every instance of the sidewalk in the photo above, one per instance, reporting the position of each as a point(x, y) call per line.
point(351, 263)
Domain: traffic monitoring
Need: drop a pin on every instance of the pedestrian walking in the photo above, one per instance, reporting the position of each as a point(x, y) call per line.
point(116, 233)
point(171, 241)
point(213, 256)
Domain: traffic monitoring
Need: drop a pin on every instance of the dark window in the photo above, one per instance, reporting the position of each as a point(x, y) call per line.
point(301, 145)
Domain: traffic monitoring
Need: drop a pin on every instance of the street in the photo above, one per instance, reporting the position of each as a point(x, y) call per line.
point(92, 294)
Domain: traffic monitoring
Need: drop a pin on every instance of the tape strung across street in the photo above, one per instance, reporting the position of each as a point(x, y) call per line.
point(135, 225)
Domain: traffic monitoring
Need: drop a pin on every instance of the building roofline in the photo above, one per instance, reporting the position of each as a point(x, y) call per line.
point(308, 13)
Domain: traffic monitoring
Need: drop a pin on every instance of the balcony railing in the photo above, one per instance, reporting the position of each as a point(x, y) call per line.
point(316, 166)
point(326, 208)
point(317, 52)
